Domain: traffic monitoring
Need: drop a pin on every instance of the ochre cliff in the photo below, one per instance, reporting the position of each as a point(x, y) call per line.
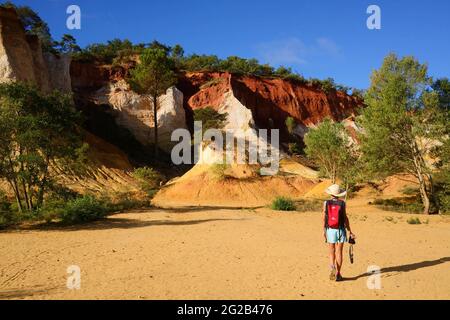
point(113, 111)
point(270, 100)
point(103, 85)
point(22, 58)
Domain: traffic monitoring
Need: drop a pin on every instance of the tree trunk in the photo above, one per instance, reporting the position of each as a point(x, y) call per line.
point(41, 191)
point(15, 186)
point(333, 175)
point(421, 176)
point(30, 198)
point(424, 195)
point(16, 194)
point(155, 114)
point(25, 194)
point(40, 196)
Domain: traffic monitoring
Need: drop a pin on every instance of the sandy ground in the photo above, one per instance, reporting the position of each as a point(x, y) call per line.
point(212, 253)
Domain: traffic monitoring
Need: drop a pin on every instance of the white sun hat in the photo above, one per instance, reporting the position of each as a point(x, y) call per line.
point(336, 191)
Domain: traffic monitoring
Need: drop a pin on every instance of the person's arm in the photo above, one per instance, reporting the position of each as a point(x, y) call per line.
point(347, 221)
point(323, 224)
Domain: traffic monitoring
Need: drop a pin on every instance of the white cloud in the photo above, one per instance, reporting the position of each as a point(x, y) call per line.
point(294, 51)
point(328, 47)
point(290, 51)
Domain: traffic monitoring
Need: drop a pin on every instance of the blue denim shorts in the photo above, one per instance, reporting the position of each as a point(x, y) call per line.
point(336, 235)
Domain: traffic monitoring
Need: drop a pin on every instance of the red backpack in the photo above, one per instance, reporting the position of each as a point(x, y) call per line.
point(334, 214)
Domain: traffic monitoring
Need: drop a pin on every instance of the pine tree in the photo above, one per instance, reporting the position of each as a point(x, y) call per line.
point(153, 76)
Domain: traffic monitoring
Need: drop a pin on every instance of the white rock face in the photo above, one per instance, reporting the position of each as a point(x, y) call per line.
point(240, 124)
point(239, 121)
point(16, 59)
point(135, 112)
point(239, 116)
point(22, 58)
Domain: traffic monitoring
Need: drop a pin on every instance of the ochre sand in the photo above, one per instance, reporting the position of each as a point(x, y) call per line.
point(223, 253)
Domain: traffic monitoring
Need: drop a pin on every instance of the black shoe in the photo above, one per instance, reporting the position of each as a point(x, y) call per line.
point(339, 278)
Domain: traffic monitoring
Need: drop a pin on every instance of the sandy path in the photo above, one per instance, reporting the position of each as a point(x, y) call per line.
point(204, 253)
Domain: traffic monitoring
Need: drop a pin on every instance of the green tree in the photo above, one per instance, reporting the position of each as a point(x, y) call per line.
point(442, 179)
point(33, 24)
point(328, 85)
point(210, 118)
point(282, 71)
point(68, 44)
point(328, 146)
point(37, 132)
point(401, 121)
point(442, 88)
point(153, 76)
point(177, 52)
point(290, 125)
point(158, 45)
point(149, 179)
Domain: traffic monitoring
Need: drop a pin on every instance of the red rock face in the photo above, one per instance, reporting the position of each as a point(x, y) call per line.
point(270, 100)
point(277, 99)
point(89, 76)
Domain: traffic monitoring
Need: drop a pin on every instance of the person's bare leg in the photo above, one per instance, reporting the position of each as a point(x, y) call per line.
point(332, 248)
point(339, 249)
point(332, 255)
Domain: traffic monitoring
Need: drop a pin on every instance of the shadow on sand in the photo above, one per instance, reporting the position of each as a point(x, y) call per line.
point(112, 222)
point(187, 209)
point(27, 293)
point(120, 223)
point(404, 268)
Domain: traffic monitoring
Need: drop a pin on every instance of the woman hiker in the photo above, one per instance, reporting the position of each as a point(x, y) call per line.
point(335, 222)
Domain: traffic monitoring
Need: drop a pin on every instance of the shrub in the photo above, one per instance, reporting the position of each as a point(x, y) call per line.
point(410, 191)
point(125, 201)
point(149, 179)
point(442, 189)
point(357, 93)
point(413, 221)
point(398, 206)
point(210, 83)
point(84, 209)
point(210, 118)
point(295, 78)
point(60, 192)
point(283, 204)
point(129, 204)
point(52, 209)
point(108, 52)
point(218, 170)
point(290, 124)
point(304, 205)
point(294, 148)
point(7, 216)
point(328, 85)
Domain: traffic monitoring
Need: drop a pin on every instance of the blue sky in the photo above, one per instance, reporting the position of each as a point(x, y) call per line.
point(321, 38)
